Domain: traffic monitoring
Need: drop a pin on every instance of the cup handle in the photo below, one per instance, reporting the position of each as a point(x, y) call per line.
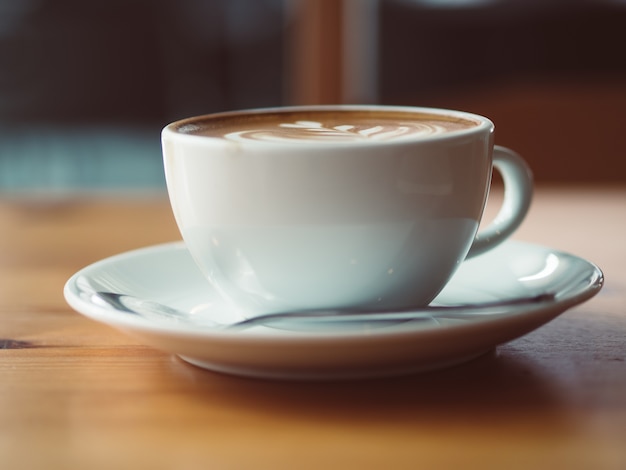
point(518, 188)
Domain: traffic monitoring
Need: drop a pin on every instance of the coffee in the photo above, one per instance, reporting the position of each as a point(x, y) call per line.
point(324, 126)
point(339, 216)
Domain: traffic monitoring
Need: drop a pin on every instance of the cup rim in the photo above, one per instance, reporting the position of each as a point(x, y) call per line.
point(483, 124)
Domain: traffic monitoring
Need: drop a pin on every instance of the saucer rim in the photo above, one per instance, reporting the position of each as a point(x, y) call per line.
point(545, 310)
point(337, 357)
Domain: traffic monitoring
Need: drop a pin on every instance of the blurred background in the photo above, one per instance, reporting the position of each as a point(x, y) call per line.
point(85, 87)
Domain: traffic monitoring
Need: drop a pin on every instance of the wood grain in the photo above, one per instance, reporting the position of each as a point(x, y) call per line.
point(77, 394)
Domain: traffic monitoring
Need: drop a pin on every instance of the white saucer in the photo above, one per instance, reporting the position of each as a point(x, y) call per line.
point(167, 274)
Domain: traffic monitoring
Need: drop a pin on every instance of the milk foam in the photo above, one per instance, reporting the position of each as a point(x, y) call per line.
point(306, 131)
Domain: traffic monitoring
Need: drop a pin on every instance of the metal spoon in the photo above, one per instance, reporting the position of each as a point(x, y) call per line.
point(150, 309)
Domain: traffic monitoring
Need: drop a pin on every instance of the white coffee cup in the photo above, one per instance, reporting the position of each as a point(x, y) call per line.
point(337, 206)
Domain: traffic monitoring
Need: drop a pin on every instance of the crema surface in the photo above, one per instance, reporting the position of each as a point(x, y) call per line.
point(321, 126)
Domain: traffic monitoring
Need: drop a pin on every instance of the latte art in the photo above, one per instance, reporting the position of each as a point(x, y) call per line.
point(332, 127)
point(317, 131)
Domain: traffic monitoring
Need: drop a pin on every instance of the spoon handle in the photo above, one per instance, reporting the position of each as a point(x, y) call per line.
point(461, 311)
point(150, 309)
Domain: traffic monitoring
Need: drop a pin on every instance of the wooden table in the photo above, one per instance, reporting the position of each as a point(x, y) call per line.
point(77, 394)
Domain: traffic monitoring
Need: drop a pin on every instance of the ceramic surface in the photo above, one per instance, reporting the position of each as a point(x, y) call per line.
point(283, 225)
point(167, 274)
